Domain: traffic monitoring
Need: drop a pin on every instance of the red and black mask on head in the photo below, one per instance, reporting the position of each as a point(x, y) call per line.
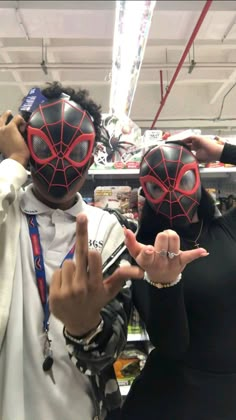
point(60, 137)
point(170, 179)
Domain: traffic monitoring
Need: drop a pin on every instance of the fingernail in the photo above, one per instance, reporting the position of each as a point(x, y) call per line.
point(205, 254)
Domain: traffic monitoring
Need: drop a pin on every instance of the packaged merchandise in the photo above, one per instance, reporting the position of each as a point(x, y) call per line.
point(151, 138)
point(129, 364)
point(120, 146)
point(122, 198)
point(135, 325)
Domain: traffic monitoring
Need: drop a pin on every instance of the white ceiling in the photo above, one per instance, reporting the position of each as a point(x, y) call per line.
point(78, 36)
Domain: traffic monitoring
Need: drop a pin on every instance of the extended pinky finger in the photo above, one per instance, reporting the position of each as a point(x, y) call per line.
point(187, 257)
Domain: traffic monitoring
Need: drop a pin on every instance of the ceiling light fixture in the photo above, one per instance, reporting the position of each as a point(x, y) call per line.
point(132, 24)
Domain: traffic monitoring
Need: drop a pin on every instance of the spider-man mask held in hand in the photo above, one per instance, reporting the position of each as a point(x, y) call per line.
point(170, 179)
point(60, 137)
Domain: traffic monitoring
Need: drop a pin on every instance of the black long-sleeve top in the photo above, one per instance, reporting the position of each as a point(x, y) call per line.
point(191, 373)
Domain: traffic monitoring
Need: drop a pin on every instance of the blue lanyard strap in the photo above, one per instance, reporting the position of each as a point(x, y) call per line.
point(40, 268)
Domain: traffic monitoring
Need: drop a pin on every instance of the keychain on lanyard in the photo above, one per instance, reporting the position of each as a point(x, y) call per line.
point(42, 286)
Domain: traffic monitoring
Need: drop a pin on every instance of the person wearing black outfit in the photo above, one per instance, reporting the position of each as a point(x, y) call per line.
point(191, 321)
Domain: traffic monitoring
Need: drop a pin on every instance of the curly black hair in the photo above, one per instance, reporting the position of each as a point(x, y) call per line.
point(53, 90)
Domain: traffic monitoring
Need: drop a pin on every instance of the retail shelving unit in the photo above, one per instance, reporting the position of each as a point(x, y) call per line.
point(218, 172)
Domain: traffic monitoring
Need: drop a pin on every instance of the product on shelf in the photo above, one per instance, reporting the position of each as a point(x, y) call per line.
point(120, 146)
point(151, 138)
point(129, 364)
point(122, 198)
point(226, 202)
point(133, 357)
point(135, 323)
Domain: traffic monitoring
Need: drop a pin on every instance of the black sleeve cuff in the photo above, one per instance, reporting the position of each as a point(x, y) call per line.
point(228, 154)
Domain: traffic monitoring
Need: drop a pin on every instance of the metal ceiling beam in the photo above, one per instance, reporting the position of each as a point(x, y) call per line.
point(82, 81)
point(92, 44)
point(9, 65)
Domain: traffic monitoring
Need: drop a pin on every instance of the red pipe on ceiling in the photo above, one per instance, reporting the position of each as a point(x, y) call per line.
point(184, 55)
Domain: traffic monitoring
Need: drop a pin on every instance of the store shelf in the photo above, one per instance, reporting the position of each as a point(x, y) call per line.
point(220, 172)
point(114, 173)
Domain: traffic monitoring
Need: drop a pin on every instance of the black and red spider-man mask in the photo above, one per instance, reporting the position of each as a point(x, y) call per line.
point(60, 137)
point(169, 176)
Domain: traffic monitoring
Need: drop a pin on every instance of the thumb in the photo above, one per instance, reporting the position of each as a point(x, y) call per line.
point(133, 246)
point(114, 283)
point(187, 257)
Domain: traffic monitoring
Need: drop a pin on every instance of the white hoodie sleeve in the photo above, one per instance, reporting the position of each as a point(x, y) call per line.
point(12, 176)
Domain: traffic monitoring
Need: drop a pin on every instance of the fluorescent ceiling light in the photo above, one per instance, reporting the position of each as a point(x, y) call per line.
point(132, 24)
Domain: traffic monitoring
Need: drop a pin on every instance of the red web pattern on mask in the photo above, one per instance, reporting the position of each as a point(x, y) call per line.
point(48, 140)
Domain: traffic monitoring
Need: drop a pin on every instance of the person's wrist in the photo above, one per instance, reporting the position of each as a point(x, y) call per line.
point(22, 159)
point(82, 331)
point(215, 154)
point(218, 152)
point(159, 285)
point(87, 338)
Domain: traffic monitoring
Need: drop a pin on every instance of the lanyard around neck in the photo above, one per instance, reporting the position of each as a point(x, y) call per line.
point(40, 268)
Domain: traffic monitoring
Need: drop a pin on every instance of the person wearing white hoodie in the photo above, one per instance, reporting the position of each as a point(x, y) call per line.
point(44, 226)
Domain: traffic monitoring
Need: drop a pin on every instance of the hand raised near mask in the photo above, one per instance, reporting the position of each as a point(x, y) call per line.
point(159, 265)
point(78, 292)
point(12, 144)
point(206, 149)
